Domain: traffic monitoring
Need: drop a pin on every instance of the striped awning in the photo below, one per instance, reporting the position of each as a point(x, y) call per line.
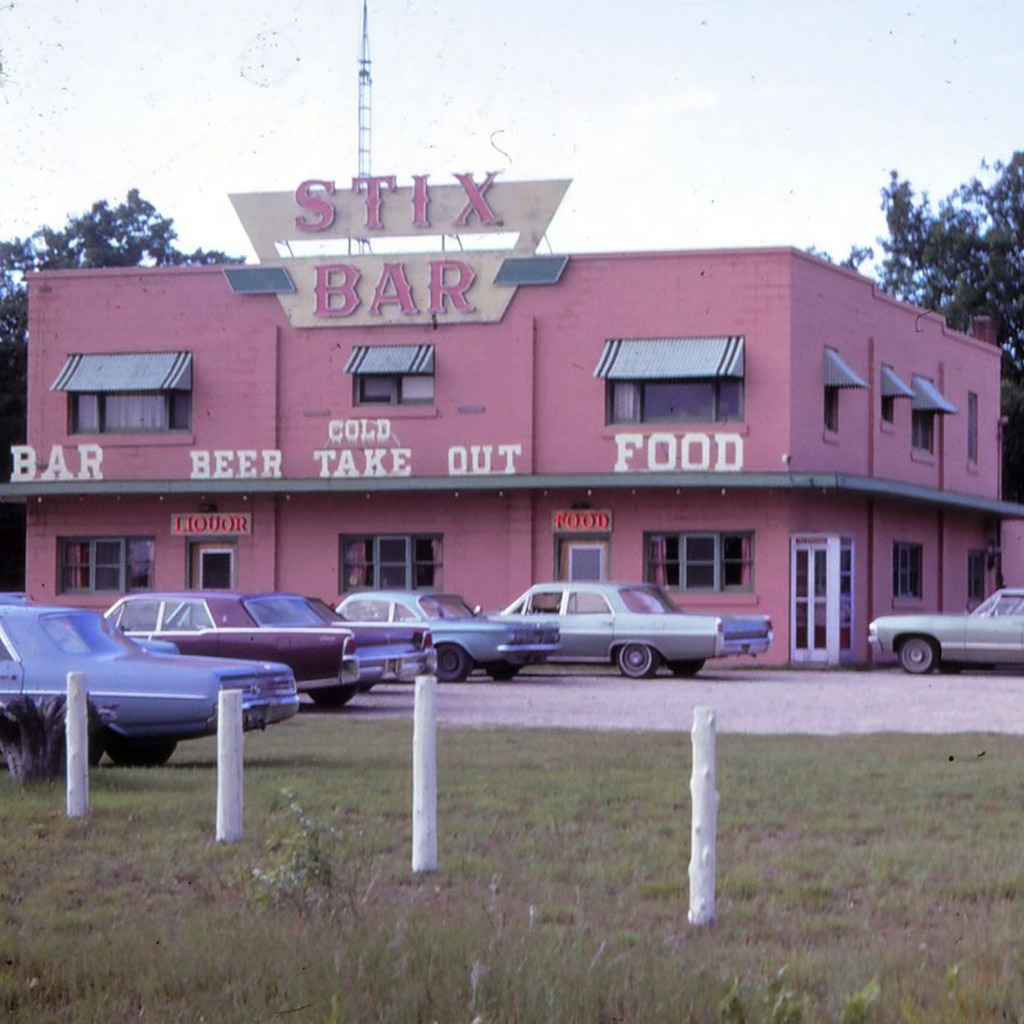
point(892, 386)
point(928, 398)
point(391, 359)
point(126, 371)
point(838, 373)
point(671, 358)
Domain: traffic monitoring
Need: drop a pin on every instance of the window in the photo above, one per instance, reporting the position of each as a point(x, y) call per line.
point(700, 561)
point(975, 575)
point(396, 389)
point(888, 408)
point(832, 409)
point(402, 562)
point(712, 400)
point(922, 430)
point(105, 564)
point(906, 569)
point(135, 412)
point(972, 427)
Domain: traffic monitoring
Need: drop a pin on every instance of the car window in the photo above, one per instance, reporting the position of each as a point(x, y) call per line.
point(186, 616)
point(5, 654)
point(445, 606)
point(138, 616)
point(586, 604)
point(1008, 604)
point(546, 602)
point(282, 610)
point(645, 600)
point(365, 610)
point(403, 614)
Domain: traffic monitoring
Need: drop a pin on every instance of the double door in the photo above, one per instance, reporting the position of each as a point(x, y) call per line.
point(821, 602)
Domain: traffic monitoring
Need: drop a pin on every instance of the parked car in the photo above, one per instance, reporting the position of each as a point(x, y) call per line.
point(463, 638)
point(149, 702)
point(636, 627)
point(992, 634)
point(331, 662)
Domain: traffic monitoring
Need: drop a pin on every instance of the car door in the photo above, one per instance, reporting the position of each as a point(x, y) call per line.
point(186, 622)
point(588, 626)
point(12, 677)
point(995, 638)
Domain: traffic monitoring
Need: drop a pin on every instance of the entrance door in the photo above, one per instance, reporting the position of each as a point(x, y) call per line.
point(211, 566)
point(822, 599)
point(582, 560)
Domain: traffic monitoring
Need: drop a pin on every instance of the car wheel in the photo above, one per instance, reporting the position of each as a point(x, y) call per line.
point(502, 673)
point(686, 668)
point(918, 655)
point(334, 696)
point(638, 661)
point(453, 663)
point(131, 753)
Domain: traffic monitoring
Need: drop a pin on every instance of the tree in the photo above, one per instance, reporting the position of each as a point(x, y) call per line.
point(132, 234)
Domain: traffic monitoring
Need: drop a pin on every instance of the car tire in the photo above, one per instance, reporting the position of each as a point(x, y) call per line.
point(334, 696)
point(686, 669)
point(502, 673)
point(130, 753)
point(918, 655)
point(638, 661)
point(453, 663)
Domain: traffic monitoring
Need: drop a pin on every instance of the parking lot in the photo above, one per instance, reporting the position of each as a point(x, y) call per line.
point(746, 700)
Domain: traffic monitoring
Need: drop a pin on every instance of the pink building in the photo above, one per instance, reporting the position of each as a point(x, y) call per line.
point(754, 429)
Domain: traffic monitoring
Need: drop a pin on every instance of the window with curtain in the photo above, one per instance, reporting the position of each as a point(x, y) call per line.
point(394, 561)
point(700, 561)
point(129, 412)
point(704, 400)
point(906, 569)
point(105, 564)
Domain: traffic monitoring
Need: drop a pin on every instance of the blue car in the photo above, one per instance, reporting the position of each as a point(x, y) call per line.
point(147, 700)
point(463, 639)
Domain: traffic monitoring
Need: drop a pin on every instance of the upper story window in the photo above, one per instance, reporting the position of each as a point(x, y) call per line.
point(673, 380)
point(838, 376)
point(892, 388)
point(927, 403)
point(129, 392)
point(392, 374)
point(972, 427)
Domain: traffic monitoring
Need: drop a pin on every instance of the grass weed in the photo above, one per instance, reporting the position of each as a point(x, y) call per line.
point(860, 879)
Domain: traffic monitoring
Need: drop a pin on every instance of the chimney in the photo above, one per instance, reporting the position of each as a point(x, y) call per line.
point(985, 328)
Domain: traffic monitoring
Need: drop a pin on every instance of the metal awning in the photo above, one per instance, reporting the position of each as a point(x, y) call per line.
point(928, 398)
point(892, 386)
point(671, 358)
point(126, 371)
point(838, 373)
point(391, 359)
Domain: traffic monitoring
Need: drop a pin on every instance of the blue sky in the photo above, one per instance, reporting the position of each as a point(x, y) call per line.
point(683, 123)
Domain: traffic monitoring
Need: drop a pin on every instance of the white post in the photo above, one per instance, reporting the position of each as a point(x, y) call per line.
point(229, 766)
point(424, 776)
point(705, 818)
point(76, 733)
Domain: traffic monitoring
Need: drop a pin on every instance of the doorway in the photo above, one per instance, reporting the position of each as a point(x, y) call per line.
point(211, 566)
point(582, 560)
point(821, 613)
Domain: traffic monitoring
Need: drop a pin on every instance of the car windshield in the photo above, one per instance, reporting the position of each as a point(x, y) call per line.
point(287, 610)
point(1001, 604)
point(445, 606)
point(72, 632)
point(645, 600)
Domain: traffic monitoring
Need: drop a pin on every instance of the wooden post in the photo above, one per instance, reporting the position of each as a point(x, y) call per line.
point(229, 766)
point(76, 733)
point(704, 796)
point(424, 776)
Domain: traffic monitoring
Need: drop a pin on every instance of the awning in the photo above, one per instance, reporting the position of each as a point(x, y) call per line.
point(838, 374)
point(892, 386)
point(671, 358)
point(126, 371)
point(928, 398)
point(391, 359)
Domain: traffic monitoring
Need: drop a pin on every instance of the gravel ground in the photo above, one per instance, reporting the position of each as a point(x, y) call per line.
point(745, 700)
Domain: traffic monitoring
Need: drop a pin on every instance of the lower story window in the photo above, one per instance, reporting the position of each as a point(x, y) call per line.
point(906, 569)
point(105, 564)
point(405, 562)
point(700, 561)
point(975, 576)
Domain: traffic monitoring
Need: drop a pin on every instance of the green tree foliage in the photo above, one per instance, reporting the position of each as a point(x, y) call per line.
point(132, 234)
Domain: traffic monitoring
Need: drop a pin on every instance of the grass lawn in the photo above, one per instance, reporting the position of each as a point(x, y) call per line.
point(859, 878)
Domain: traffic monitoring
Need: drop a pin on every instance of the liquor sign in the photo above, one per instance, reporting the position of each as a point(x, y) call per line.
point(582, 520)
point(211, 524)
point(366, 288)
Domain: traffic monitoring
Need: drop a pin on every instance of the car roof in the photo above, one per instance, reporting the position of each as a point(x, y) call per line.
point(231, 595)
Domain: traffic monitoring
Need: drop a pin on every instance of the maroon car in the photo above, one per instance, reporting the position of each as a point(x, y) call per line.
point(331, 662)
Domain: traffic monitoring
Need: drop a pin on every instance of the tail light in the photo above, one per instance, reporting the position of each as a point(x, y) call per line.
point(349, 647)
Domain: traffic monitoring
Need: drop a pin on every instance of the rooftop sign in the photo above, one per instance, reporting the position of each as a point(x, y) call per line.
point(364, 288)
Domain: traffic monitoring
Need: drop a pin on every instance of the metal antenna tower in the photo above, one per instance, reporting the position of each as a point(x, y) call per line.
point(365, 120)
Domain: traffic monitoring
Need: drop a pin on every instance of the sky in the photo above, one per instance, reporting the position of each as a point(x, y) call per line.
point(683, 124)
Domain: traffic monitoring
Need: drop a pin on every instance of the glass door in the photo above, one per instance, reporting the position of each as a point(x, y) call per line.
point(822, 599)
